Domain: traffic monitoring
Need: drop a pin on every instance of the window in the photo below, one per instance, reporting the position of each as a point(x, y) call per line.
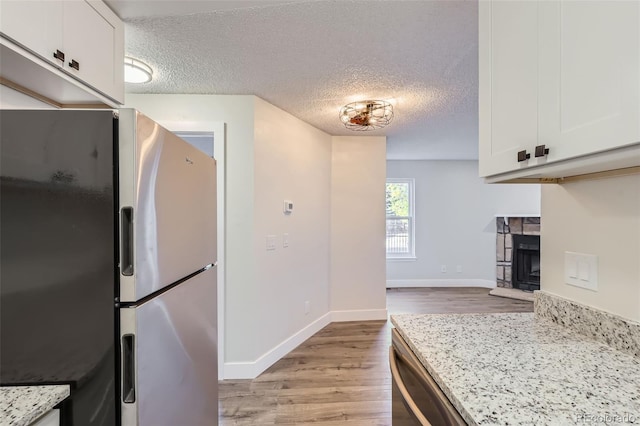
point(400, 227)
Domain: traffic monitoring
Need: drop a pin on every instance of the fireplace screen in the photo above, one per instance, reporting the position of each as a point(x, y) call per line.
point(525, 264)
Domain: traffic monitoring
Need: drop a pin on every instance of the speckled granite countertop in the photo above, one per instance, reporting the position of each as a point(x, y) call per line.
point(512, 369)
point(22, 405)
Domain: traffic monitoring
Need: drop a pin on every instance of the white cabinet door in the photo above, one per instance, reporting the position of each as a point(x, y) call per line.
point(589, 76)
point(92, 38)
point(35, 25)
point(564, 74)
point(508, 89)
point(87, 32)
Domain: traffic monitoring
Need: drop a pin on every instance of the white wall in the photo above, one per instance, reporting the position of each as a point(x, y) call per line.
point(270, 156)
point(455, 222)
point(358, 228)
point(293, 162)
point(600, 217)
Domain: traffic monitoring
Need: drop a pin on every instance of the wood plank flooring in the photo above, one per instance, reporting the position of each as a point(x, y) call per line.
point(340, 376)
point(450, 300)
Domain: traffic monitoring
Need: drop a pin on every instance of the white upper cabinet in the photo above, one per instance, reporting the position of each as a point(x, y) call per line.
point(82, 38)
point(508, 70)
point(589, 76)
point(36, 25)
point(97, 60)
point(563, 74)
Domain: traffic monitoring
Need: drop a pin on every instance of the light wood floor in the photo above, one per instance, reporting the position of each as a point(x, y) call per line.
point(450, 300)
point(340, 376)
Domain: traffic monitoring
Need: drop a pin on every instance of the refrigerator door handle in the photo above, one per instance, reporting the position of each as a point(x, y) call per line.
point(129, 386)
point(128, 369)
point(126, 241)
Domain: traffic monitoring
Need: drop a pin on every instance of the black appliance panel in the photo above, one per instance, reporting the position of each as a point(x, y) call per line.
point(57, 255)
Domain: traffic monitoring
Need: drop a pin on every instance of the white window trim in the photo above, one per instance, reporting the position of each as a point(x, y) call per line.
point(411, 256)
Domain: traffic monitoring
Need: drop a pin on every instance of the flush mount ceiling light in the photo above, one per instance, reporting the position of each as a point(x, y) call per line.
point(136, 71)
point(366, 115)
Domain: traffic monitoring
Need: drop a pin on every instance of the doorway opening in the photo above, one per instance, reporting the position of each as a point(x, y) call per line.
point(204, 141)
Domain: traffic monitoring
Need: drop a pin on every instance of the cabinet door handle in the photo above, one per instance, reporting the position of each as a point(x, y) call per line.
point(75, 64)
point(59, 55)
point(523, 156)
point(541, 151)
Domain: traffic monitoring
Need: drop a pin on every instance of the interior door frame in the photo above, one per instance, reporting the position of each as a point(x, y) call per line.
point(219, 149)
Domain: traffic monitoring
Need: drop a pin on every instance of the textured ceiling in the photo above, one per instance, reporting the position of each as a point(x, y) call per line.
point(310, 57)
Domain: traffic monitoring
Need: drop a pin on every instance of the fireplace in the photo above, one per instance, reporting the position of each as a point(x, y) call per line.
point(525, 264)
point(509, 229)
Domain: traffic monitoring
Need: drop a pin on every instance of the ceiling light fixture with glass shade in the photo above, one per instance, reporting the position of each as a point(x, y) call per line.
point(366, 115)
point(136, 71)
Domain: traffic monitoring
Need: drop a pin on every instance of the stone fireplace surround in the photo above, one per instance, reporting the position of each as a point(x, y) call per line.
point(506, 227)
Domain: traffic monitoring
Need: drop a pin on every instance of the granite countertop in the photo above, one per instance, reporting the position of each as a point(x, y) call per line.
point(517, 369)
point(22, 405)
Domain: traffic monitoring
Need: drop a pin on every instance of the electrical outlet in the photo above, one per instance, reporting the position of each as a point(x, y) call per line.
point(307, 307)
point(443, 269)
point(581, 270)
point(459, 269)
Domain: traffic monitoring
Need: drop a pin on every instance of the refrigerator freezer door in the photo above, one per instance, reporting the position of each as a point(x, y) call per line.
point(173, 358)
point(167, 207)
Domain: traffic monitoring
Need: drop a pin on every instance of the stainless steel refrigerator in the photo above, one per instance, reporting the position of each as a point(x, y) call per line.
point(108, 253)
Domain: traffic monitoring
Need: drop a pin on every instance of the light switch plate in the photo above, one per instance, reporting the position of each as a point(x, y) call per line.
point(581, 270)
point(271, 242)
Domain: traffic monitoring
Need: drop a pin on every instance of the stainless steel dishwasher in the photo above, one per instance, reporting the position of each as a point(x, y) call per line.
point(416, 397)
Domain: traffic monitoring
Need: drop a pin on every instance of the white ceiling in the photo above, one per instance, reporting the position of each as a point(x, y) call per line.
point(310, 57)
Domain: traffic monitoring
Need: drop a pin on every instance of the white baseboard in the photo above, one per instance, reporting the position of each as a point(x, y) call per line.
point(359, 315)
point(252, 369)
point(239, 370)
point(441, 283)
